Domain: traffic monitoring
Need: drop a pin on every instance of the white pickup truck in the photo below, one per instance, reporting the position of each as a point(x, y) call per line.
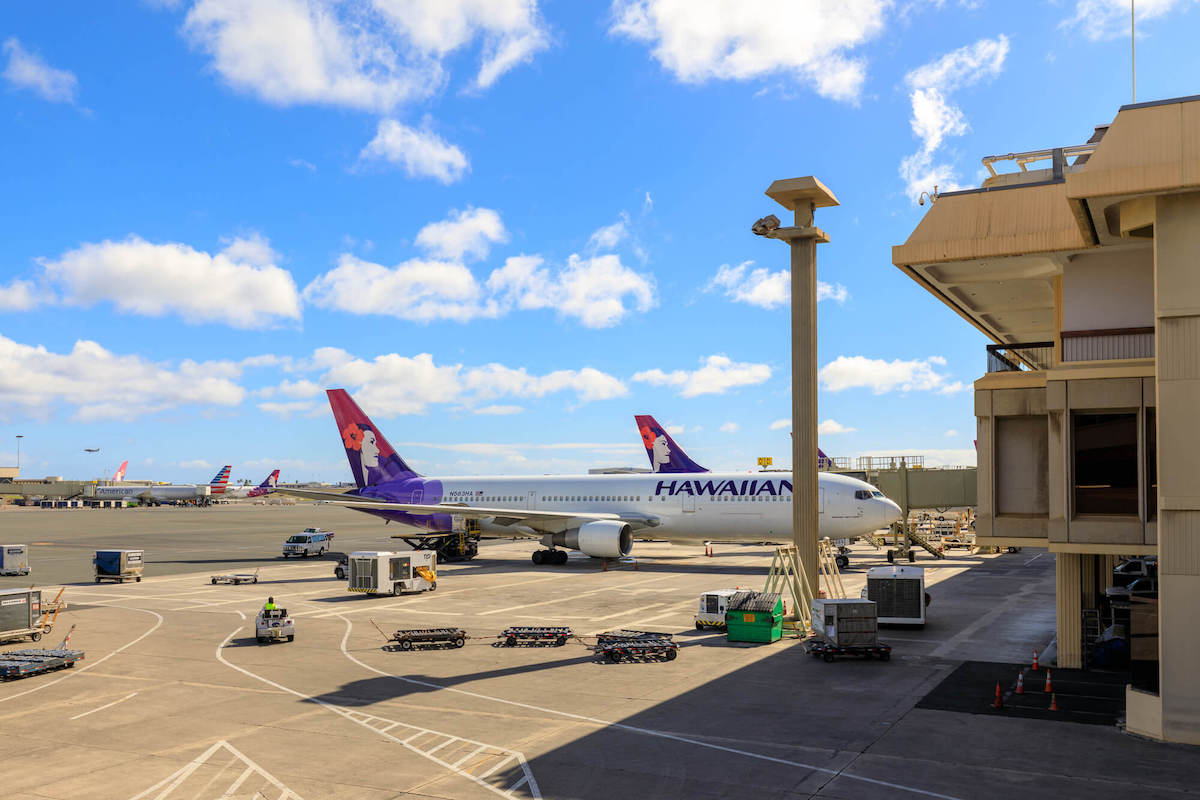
point(310, 541)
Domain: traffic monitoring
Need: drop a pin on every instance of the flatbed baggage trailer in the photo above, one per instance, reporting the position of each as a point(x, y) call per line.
point(236, 578)
point(535, 636)
point(23, 663)
point(405, 639)
point(612, 637)
point(818, 648)
point(639, 650)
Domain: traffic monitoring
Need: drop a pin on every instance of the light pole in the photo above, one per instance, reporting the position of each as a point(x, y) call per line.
point(19, 438)
point(802, 196)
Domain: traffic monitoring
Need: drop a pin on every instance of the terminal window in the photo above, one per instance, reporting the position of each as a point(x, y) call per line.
point(1151, 463)
point(1106, 463)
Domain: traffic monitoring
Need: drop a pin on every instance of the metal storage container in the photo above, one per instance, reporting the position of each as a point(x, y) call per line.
point(14, 559)
point(754, 617)
point(117, 565)
point(20, 610)
point(845, 623)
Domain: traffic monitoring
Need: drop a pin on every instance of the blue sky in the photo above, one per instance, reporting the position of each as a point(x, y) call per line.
point(505, 226)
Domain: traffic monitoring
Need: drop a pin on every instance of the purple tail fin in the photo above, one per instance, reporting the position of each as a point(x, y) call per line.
point(664, 454)
point(372, 459)
point(823, 461)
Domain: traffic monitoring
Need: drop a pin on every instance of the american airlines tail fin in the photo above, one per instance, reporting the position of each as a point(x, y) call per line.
point(372, 459)
point(220, 480)
point(119, 475)
point(664, 454)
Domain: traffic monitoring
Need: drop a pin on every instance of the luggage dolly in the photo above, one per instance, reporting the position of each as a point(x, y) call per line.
point(236, 578)
point(637, 649)
point(23, 663)
point(406, 639)
point(535, 636)
point(828, 651)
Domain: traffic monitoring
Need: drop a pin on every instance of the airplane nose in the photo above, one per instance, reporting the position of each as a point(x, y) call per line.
point(889, 512)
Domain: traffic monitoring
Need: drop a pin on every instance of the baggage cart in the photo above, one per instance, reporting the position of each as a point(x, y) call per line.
point(639, 650)
point(612, 637)
point(535, 636)
point(14, 559)
point(820, 648)
point(236, 578)
point(119, 565)
point(407, 639)
point(23, 663)
point(21, 614)
point(844, 622)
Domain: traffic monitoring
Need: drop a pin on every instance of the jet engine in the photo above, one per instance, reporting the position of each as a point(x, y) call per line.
point(601, 539)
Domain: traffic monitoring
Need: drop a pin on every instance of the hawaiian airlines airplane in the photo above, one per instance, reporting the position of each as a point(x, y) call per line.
point(598, 515)
point(264, 488)
point(119, 475)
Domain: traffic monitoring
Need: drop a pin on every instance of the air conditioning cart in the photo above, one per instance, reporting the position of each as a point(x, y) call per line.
point(387, 572)
point(898, 593)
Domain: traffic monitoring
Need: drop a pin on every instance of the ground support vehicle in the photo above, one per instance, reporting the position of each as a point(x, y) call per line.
point(612, 637)
point(386, 572)
point(236, 578)
point(819, 648)
point(23, 663)
point(639, 650)
point(119, 565)
point(407, 639)
point(343, 564)
point(711, 612)
point(273, 625)
point(535, 636)
point(21, 614)
point(309, 542)
point(14, 559)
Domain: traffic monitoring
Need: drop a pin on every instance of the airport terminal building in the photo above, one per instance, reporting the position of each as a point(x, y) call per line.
point(1082, 265)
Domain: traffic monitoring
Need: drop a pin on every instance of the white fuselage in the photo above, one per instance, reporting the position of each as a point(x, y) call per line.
point(709, 506)
point(158, 494)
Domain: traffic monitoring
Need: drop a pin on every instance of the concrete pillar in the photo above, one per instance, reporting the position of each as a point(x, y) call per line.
point(803, 196)
point(1177, 390)
point(1067, 589)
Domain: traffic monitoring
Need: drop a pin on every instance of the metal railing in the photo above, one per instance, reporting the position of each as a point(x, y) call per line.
point(889, 462)
point(1019, 357)
point(1108, 345)
point(1057, 156)
point(836, 462)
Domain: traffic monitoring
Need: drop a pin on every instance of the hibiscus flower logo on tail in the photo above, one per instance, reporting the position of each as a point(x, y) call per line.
point(352, 436)
point(648, 437)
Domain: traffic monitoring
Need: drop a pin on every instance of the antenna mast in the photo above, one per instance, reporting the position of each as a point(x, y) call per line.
point(1133, 48)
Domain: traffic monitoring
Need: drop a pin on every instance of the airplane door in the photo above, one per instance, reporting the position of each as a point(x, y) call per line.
point(821, 501)
point(689, 502)
point(532, 501)
point(418, 496)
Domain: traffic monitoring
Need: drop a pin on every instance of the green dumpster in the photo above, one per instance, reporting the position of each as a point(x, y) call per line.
point(754, 617)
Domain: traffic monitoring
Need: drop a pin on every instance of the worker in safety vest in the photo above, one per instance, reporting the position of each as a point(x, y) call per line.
point(270, 604)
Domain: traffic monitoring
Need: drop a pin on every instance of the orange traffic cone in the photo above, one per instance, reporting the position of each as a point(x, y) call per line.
point(1053, 702)
point(1048, 688)
point(604, 565)
point(999, 703)
point(1035, 664)
point(1020, 683)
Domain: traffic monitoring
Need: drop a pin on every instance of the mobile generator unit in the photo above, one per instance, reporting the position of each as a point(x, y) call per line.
point(387, 572)
point(14, 559)
point(119, 565)
point(898, 593)
point(711, 613)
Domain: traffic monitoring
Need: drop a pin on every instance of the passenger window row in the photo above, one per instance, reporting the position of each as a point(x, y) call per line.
point(626, 498)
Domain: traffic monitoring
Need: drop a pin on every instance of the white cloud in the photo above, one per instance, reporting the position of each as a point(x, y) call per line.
point(855, 372)
point(417, 290)
point(28, 70)
point(499, 411)
point(780, 424)
point(934, 118)
point(300, 162)
point(299, 389)
point(1109, 19)
point(369, 56)
point(934, 457)
point(593, 290)
point(765, 289)
point(811, 42)
point(832, 426)
point(469, 233)
point(950, 434)
point(675, 430)
point(609, 236)
point(20, 295)
point(239, 286)
point(197, 463)
point(729, 427)
point(422, 153)
point(287, 408)
point(101, 385)
point(393, 384)
point(718, 375)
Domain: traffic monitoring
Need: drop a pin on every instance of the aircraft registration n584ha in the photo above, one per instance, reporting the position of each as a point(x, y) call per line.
point(598, 515)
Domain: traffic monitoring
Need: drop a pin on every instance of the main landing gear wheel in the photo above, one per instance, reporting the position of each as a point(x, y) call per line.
point(842, 561)
point(539, 556)
point(556, 557)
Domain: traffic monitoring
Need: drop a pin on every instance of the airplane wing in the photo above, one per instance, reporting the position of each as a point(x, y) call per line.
point(546, 521)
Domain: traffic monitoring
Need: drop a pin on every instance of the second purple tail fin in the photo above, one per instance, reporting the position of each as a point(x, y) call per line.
point(664, 454)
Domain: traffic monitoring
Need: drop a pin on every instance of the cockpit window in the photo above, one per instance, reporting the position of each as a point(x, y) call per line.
point(862, 494)
point(877, 494)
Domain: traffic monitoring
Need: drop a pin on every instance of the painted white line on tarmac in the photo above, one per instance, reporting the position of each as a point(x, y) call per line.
point(580, 594)
point(107, 705)
point(836, 773)
point(74, 672)
point(366, 720)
